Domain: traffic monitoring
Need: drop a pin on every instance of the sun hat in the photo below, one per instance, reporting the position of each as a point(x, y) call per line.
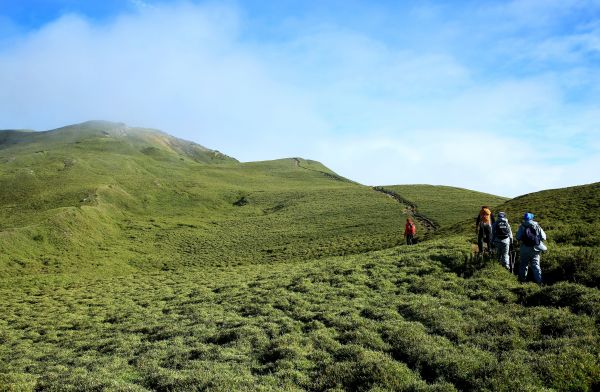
point(528, 216)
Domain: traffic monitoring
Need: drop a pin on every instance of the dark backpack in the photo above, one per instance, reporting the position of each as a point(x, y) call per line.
point(502, 230)
point(530, 236)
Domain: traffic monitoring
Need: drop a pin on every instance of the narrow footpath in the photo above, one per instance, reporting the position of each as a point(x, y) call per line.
point(410, 209)
point(330, 175)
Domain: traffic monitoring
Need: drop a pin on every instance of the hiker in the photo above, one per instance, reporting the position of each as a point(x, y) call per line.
point(485, 220)
point(502, 237)
point(531, 235)
point(409, 231)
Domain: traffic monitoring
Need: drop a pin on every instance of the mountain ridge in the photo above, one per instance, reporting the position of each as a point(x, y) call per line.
point(147, 138)
point(152, 201)
point(126, 197)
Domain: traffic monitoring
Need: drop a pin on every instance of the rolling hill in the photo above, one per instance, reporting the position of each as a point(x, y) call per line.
point(102, 194)
point(133, 261)
point(444, 205)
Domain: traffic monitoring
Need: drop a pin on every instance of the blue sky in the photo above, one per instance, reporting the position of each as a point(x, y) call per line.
point(502, 97)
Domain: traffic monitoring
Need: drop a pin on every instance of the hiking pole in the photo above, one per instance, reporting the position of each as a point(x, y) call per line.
point(516, 260)
point(511, 258)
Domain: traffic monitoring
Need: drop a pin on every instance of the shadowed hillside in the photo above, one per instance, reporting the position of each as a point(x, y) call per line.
point(571, 221)
point(570, 215)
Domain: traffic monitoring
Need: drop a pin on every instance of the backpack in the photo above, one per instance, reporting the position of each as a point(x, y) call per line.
point(502, 230)
point(530, 236)
point(485, 216)
point(411, 228)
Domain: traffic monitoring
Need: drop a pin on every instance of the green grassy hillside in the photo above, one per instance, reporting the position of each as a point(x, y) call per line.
point(569, 215)
point(101, 136)
point(569, 218)
point(131, 265)
point(445, 205)
point(398, 319)
point(105, 195)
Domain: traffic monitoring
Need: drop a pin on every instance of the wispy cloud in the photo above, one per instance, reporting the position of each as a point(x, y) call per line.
point(140, 4)
point(438, 105)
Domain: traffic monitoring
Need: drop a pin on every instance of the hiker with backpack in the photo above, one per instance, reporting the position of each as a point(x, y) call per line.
point(502, 237)
point(531, 235)
point(485, 220)
point(409, 231)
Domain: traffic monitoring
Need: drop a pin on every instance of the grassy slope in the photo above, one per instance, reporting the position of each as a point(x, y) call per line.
point(569, 218)
point(427, 317)
point(569, 215)
point(397, 319)
point(102, 195)
point(443, 204)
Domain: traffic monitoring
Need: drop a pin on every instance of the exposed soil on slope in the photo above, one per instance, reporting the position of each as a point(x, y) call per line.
point(330, 175)
point(410, 209)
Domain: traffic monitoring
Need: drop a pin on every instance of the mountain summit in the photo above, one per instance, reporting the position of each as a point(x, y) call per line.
point(147, 141)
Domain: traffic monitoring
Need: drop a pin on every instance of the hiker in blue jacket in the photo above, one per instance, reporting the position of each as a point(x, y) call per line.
point(531, 235)
point(502, 237)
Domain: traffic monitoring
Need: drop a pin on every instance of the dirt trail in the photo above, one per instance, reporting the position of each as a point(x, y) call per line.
point(411, 209)
point(330, 175)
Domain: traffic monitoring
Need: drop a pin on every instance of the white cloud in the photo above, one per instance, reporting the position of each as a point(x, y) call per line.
point(376, 112)
point(180, 69)
point(475, 160)
point(140, 4)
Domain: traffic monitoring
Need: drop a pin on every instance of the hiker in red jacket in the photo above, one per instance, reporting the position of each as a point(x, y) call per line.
point(409, 231)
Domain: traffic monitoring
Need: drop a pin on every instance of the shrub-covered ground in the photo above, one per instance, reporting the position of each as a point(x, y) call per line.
point(400, 319)
point(142, 262)
point(570, 218)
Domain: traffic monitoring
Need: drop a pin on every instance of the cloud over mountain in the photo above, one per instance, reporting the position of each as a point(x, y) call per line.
point(500, 98)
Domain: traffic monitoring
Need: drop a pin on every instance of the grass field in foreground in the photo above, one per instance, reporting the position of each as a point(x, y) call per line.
point(390, 320)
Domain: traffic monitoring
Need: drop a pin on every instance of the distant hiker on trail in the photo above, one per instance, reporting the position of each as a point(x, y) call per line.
point(502, 237)
point(485, 220)
point(531, 235)
point(409, 231)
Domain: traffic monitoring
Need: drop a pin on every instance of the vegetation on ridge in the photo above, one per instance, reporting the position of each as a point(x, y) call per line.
point(569, 218)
